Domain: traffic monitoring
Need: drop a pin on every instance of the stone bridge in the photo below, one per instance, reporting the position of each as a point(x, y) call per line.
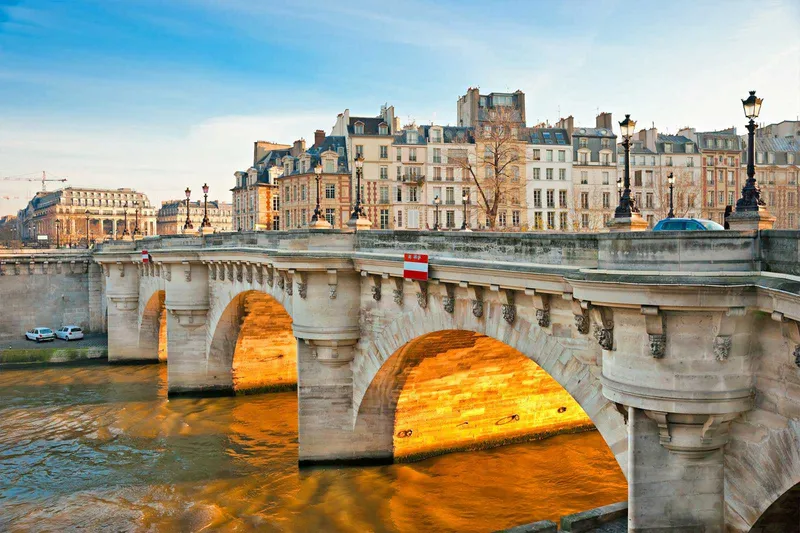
point(682, 349)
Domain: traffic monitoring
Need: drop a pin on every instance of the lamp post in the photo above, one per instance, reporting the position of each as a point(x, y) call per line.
point(619, 188)
point(136, 207)
point(87, 227)
point(125, 215)
point(671, 181)
point(627, 205)
point(205, 223)
point(58, 234)
point(188, 223)
point(318, 221)
point(436, 202)
point(751, 193)
point(357, 218)
point(464, 202)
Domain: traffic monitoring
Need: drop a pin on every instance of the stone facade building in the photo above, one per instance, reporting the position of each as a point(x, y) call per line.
point(100, 213)
point(172, 216)
point(446, 178)
point(549, 179)
point(297, 184)
point(723, 176)
point(777, 149)
point(256, 202)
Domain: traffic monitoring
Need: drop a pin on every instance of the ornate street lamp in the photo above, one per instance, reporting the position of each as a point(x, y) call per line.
point(627, 205)
point(357, 210)
point(205, 223)
point(436, 202)
point(317, 209)
point(58, 233)
point(87, 227)
point(619, 187)
point(671, 181)
point(125, 213)
point(188, 223)
point(464, 202)
point(751, 193)
point(136, 207)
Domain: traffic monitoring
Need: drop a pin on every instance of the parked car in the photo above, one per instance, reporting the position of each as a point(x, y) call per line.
point(687, 224)
point(69, 333)
point(40, 335)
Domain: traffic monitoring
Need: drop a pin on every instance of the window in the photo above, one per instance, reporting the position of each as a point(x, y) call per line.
point(384, 152)
point(360, 150)
point(605, 178)
point(710, 201)
point(562, 199)
point(537, 173)
point(383, 129)
point(515, 174)
point(537, 198)
point(330, 216)
point(562, 174)
point(649, 201)
point(450, 218)
point(584, 177)
point(450, 195)
point(329, 166)
point(412, 137)
point(668, 148)
point(302, 217)
point(551, 198)
point(399, 218)
point(384, 173)
point(436, 135)
point(384, 194)
point(399, 154)
point(515, 218)
point(549, 173)
point(791, 220)
point(437, 173)
point(537, 220)
point(412, 154)
point(637, 178)
point(413, 218)
point(302, 192)
point(449, 175)
point(689, 148)
point(398, 194)
point(562, 156)
point(560, 138)
point(502, 219)
point(330, 191)
point(359, 129)
point(669, 160)
point(606, 200)
point(605, 143)
point(790, 159)
point(584, 200)
point(537, 155)
point(583, 142)
point(384, 219)
point(690, 162)
point(790, 199)
point(585, 221)
point(412, 194)
point(606, 159)
point(730, 198)
point(583, 159)
point(551, 220)
point(549, 155)
point(759, 157)
point(437, 155)
point(731, 178)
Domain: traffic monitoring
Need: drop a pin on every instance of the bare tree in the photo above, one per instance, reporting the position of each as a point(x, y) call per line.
point(687, 194)
point(494, 167)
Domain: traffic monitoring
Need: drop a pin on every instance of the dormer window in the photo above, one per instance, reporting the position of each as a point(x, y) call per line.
point(329, 168)
point(689, 148)
point(340, 150)
point(771, 158)
point(436, 135)
point(359, 128)
point(668, 148)
point(383, 129)
point(412, 137)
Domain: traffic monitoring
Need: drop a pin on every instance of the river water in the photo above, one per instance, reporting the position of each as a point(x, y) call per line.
point(101, 448)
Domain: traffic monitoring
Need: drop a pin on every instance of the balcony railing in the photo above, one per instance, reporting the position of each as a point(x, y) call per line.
point(411, 178)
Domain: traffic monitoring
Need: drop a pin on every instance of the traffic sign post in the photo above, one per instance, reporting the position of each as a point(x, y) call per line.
point(415, 266)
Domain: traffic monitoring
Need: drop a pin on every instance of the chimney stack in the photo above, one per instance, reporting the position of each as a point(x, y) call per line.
point(319, 137)
point(604, 121)
point(298, 148)
point(568, 124)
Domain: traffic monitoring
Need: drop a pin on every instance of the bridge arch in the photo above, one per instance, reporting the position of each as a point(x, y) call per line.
point(424, 342)
point(153, 327)
point(252, 344)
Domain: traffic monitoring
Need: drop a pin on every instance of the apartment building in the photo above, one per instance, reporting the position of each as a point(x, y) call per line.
point(171, 217)
point(644, 187)
point(297, 184)
point(722, 175)
point(410, 151)
point(256, 203)
point(594, 169)
point(372, 138)
point(447, 148)
point(549, 179)
point(777, 164)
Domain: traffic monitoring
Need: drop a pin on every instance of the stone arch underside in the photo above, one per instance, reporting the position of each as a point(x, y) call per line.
point(570, 364)
point(253, 345)
point(783, 515)
point(153, 327)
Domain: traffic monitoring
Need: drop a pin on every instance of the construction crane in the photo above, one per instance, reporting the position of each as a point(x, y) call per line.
point(43, 179)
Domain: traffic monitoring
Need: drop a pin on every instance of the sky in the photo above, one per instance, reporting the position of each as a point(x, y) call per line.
point(160, 95)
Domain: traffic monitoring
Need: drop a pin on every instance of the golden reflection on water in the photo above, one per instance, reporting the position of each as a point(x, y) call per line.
point(100, 447)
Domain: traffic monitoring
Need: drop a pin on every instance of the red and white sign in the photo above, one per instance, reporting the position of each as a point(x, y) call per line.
point(145, 256)
point(415, 266)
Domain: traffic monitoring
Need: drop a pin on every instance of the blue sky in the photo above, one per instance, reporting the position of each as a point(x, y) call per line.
point(160, 95)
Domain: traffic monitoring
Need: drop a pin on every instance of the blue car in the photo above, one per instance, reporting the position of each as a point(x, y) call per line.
point(687, 224)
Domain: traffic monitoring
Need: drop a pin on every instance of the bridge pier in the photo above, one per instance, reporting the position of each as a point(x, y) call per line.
point(122, 291)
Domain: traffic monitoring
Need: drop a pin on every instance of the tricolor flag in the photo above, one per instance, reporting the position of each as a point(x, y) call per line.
point(415, 266)
point(145, 256)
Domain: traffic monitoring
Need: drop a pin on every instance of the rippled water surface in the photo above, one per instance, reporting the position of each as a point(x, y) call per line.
point(100, 447)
